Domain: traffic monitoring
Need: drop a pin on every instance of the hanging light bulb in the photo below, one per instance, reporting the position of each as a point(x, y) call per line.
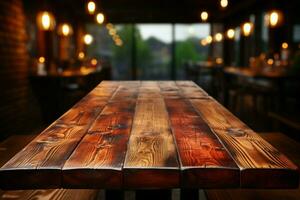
point(203, 42)
point(247, 28)
point(285, 45)
point(91, 7)
point(65, 30)
point(209, 39)
point(204, 16)
point(230, 33)
point(224, 3)
point(45, 21)
point(88, 39)
point(219, 37)
point(100, 18)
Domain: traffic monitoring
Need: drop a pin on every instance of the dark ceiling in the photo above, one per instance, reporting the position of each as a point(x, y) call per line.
point(129, 11)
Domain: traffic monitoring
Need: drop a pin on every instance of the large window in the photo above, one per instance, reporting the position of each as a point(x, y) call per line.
point(158, 49)
point(187, 45)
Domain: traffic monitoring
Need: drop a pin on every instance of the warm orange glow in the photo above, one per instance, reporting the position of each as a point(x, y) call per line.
point(219, 37)
point(109, 26)
point(94, 61)
point(81, 55)
point(230, 33)
point(274, 17)
point(112, 31)
point(247, 28)
point(42, 59)
point(203, 42)
point(91, 7)
point(45, 21)
point(224, 3)
point(209, 39)
point(119, 42)
point(219, 61)
point(270, 61)
point(285, 45)
point(100, 18)
point(65, 29)
point(204, 16)
point(88, 39)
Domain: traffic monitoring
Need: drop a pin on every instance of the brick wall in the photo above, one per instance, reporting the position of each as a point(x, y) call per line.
point(19, 113)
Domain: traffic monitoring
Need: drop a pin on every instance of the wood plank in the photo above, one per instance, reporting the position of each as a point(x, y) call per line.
point(57, 194)
point(285, 145)
point(204, 162)
point(261, 165)
point(39, 164)
point(98, 159)
point(190, 90)
point(151, 158)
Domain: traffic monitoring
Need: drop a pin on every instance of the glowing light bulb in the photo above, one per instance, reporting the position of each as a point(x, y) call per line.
point(219, 37)
point(94, 61)
point(91, 6)
point(274, 18)
point(100, 18)
point(224, 3)
point(285, 45)
point(209, 39)
point(270, 61)
point(230, 34)
point(203, 42)
point(46, 21)
point(65, 29)
point(88, 39)
point(81, 55)
point(247, 29)
point(42, 59)
point(204, 16)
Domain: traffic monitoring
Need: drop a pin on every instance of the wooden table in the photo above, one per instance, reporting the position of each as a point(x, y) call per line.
point(146, 134)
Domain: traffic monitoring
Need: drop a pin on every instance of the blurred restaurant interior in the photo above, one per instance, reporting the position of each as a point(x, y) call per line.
point(244, 53)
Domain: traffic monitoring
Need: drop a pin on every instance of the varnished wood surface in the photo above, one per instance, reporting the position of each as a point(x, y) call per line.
point(148, 134)
point(286, 145)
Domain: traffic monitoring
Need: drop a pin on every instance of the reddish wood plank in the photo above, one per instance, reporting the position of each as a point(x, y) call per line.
point(151, 160)
point(204, 161)
point(261, 165)
point(98, 159)
point(39, 164)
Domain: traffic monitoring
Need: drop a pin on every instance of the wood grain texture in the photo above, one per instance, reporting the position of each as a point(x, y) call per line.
point(98, 159)
point(261, 165)
point(151, 160)
point(287, 146)
point(204, 162)
point(45, 156)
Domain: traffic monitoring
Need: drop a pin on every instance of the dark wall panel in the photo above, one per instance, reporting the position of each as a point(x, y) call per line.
point(19, 113)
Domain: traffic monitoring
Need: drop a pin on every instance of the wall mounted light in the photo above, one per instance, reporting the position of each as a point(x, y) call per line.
point(45, 21)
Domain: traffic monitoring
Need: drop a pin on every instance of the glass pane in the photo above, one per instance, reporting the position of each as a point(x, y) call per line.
point(188, 47)
point(153, 51)
point(105, 49)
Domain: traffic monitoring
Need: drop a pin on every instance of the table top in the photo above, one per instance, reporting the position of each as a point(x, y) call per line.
point(148, 134)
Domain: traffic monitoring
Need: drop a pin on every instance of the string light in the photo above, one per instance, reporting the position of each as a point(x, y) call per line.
point(91, 7)
point(219, 37)
point(285, 45)
point(230, 33)
point(203, 42)
point(224, 3)
point(204, 16)
point(88, 39)
point(65, 29)
point(100, 18)
point(45, 21)
point(42, 59)
point(209, 39)
point(94, 61)
point(247, 28)
point(81, 55)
